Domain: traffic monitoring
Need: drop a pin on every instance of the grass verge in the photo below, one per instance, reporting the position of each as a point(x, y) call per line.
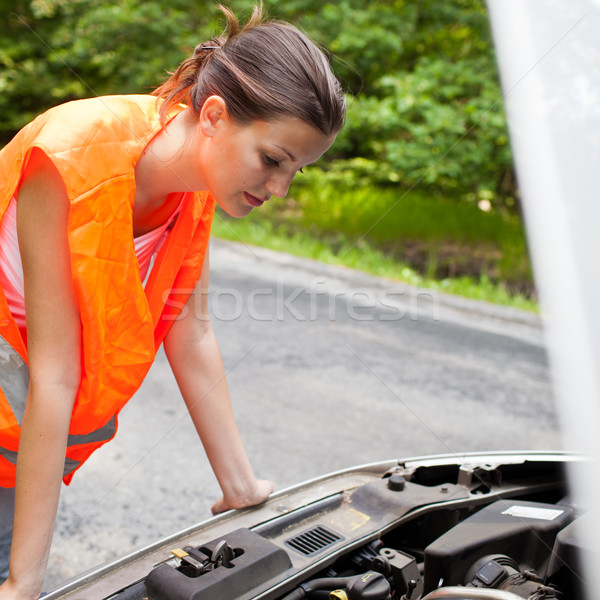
point(341, 249)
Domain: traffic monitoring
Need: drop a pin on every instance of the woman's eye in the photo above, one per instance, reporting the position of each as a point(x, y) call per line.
point(301, 170)
point(270, 161)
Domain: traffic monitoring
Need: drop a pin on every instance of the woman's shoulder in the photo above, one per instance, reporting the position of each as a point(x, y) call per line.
point(108, 104)
point(89, 140)
point(107, 130)
point(94, 119)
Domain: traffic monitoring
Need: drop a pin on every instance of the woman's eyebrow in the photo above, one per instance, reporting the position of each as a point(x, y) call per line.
point(287, 152)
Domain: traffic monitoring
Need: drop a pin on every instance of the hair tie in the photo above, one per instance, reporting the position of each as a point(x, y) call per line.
point(199, 48)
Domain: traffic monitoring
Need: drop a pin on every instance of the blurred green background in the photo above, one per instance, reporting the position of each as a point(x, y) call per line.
point(419, 185)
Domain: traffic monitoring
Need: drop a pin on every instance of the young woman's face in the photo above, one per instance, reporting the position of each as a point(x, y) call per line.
point(244, 165)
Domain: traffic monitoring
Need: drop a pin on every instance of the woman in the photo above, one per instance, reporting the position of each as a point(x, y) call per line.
point(91, 191)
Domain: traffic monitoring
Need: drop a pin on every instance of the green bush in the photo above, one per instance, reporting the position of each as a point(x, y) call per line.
point(425, 139)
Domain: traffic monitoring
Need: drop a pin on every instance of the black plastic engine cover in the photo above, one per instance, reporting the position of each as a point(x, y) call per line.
point(259, 561)
point(524, 531)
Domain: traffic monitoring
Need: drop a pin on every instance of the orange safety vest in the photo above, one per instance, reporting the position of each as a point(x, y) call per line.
point(95, 145)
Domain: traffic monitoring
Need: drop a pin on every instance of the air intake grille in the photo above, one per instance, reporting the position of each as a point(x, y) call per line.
point(314, 540)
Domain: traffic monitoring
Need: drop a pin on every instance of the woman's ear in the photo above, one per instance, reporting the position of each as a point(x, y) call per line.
point(213, 113)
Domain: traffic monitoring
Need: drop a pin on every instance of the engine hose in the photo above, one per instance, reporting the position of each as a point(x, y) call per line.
point(371, 585)
point(326, 583)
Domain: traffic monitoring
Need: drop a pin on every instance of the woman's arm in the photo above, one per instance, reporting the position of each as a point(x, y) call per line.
point(195, 358)
point(54, 356)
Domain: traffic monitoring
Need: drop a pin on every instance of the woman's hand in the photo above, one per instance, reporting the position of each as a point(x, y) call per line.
point(263, 489)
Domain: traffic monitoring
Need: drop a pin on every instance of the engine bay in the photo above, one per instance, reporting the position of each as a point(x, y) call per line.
point(497, 530)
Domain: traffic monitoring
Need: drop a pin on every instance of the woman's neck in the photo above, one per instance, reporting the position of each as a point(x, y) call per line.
point(160, 175)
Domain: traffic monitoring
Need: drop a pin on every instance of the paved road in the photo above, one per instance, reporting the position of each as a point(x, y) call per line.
point(327, 368)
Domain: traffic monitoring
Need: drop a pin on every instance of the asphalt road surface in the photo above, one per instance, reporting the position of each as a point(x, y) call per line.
point(327, 368)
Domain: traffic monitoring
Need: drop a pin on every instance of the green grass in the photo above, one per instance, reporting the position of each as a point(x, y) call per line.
point(437, 236)
point(273, 228)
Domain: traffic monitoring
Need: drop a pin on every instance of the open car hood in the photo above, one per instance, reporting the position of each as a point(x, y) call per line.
point(502, 524)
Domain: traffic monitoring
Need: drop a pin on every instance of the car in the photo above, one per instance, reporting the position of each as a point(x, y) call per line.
point(501, 526)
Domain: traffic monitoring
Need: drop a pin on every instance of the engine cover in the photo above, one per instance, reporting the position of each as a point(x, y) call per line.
point(522, 530)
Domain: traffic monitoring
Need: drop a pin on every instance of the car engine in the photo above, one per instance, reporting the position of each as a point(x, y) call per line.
point(498, 530)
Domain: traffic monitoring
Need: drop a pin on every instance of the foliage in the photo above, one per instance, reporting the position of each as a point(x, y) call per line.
point(425, 115)
point(425, 106)
point(438, 237)
point(52, 51)
point(424, 98)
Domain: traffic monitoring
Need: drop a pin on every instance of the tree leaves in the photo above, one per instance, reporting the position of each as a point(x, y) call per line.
point(424, 100)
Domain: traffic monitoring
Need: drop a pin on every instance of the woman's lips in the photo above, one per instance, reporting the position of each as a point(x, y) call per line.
point(253, 200)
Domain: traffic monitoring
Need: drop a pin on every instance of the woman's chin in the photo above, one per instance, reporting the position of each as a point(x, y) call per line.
point(237, 212)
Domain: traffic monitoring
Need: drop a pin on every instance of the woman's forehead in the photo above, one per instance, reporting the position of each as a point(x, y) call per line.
point(298, 140)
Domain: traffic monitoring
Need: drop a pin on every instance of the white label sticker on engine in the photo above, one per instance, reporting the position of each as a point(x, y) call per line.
point(533, 512)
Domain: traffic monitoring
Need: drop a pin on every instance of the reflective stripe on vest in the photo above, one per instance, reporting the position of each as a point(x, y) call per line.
point(10, 456)
point(14, 378)
point(14, 382)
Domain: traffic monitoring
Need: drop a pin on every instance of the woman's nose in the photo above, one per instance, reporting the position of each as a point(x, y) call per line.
point(279, 185)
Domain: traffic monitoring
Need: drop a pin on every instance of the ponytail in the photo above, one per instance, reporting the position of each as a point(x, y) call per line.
point(177, 89)
point(263, 70)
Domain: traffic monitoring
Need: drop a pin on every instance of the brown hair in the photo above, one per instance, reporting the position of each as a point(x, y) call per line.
point(263, 70)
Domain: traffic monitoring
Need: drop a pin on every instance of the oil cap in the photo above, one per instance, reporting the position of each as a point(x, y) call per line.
point(396, 482)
